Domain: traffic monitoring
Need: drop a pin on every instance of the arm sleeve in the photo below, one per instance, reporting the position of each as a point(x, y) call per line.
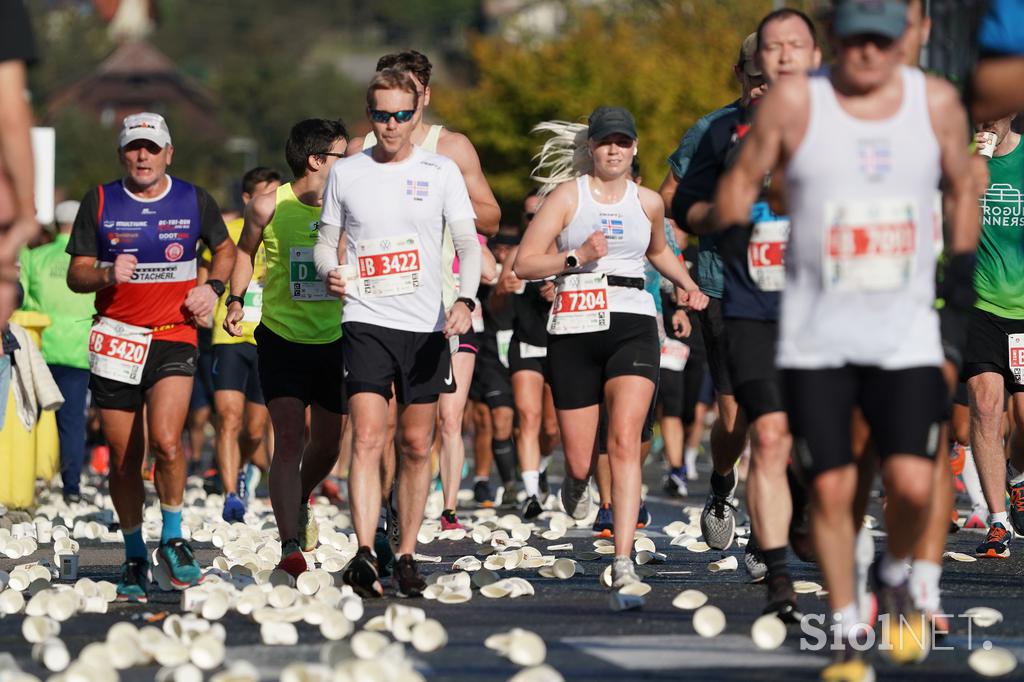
point(212, 229)
point(461, 220)
point(702, 174)
point(83, 231)
point(325, 253)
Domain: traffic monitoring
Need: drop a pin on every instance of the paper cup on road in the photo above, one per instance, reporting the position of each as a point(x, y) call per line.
point(52, 655)
point(206, 652)
point(214, 608)
point(429, 636)
point(697, 546)
point(644, 545)
point(768, 632)
point(637, 589)
point(986, 144)
point(806, 587)
point(367, 645)
point(38, 629)
point(62, 605)
point(620, 601)
point(708, 621)
point(526, 648)
point(335, 626)
point(983, 616)
point(279, 634)
point(182, 673)
point(68, 566)
point(351, 606)
point(171, 653)
point(689, 600)
point(538, 673)
point(994, 662)
point(11, 602)
point(729, 563)
point(563, 569)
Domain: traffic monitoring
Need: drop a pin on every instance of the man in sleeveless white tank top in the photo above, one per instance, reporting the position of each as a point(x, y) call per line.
point(863, 148)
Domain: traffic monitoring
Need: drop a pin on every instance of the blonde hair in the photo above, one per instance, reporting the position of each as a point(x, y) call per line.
point(564, 156)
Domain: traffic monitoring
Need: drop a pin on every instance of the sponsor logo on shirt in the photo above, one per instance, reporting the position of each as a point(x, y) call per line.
point(417, 189)
point(173, 224)
point(1002, 207)
point(174, 251)
point(117, 237)
point(148, 211)
point(158, 273)
point(314, 226)
point(168, 236)
point(108, 223)
point(875, 158)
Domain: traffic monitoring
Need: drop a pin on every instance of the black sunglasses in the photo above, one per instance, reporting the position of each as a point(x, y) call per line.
point(337, 154)
point(381, 116)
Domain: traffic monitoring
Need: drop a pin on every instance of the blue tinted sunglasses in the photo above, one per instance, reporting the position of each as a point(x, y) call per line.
point(381, 116)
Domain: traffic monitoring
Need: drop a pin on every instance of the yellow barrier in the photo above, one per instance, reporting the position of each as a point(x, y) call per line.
point(25, 455)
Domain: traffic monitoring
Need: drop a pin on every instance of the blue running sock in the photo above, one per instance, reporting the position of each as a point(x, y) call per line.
point(172, 523)
point(134, 545)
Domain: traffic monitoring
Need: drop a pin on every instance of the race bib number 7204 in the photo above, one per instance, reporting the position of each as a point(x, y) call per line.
point(581, 305)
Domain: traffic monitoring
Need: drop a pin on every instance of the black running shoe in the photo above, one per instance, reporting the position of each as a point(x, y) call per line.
point(385, 557)
point(407, 578)
point(782, 599)
point(482, 494)
point(363, 575)
point(134, 583)
point(542, 483)
point(531, 508)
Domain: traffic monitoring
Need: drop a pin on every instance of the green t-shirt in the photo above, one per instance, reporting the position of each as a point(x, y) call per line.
point(999, 278)
point(44, 272)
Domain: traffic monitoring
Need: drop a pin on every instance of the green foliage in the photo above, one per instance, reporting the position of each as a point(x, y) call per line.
point(668, 62)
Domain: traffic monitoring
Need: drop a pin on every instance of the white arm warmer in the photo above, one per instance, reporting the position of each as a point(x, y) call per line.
point(325, 253)
point(467, 247)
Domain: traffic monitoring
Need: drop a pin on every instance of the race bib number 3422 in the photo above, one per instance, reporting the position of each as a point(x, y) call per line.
point(389, 267)
point(870, 245)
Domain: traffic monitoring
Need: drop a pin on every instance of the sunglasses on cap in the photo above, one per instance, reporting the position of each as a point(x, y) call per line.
point(381, 116)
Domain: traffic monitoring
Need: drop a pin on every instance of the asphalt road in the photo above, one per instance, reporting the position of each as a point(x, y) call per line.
point(585, 639)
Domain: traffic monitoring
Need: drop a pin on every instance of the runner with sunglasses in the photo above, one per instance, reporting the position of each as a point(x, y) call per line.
point(385, 212)
point(603, 339)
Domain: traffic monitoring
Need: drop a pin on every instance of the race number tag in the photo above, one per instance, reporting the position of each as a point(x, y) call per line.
point(581, 305)
point(305, 284)
point(767, 250)
point(1016, 343)
point(118, 351)
point(252, 309)
point(504, 338)
point(389, 267)
point(674, 355)
point(869, 245)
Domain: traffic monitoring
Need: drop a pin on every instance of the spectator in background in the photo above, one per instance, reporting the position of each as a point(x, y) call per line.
point(65, 342)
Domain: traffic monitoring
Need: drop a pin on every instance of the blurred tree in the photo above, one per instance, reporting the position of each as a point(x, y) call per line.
point(669, 62)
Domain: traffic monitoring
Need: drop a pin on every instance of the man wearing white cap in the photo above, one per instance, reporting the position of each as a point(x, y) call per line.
point(134, 244)
point(65, 341)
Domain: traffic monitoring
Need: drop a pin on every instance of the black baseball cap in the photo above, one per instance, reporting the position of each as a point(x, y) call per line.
point(607, 121)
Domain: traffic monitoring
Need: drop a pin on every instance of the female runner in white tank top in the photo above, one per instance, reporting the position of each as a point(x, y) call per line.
point(592, 232)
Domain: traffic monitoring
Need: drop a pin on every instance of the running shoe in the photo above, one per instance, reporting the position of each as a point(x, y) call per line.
point(675, 483)
point(309, 529)
point(211, 482)
point(977, 519)
point(575, 497)
point(954, 522)
point(72, 498)
point(292, 560)
point(1016, 507)
point(907, 630)
point(997, 544)
point(362, 574)
point(509, 499)
point(782, 600)
point(753, 561)
point(957, 458)
point(531, 508)
point(482, 494)
point(253, 476)
point(863, 558)
point(450, 521)
point(604, 525)
point(385, 557)
point(718, 522)
point(643, 519)
point(848, 666)
point(543, 485)
point(623, 572)
point(182, 568)
point(407, 576)
point(234, 508)
point(134, 583)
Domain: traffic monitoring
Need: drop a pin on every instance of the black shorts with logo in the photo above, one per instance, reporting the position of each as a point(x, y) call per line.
point(988, 348)
point(417, 364)
point(310, 372)
point(712, 326)
point(165, 359)
point(236, 367)
point(581, 363)
point(750, 349)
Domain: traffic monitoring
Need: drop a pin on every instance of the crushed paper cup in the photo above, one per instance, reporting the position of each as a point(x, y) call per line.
point(455, 581)
point(553, 534)
point(768, 632)
point(806, 587)
point(279, 634)
point(206, 652)
point(352, 606)
point(645, 557)
point(214, 608)
point(526, 648)
point(644, 545)
point(698, 547)
point(537, 673)
point(565, 546)
point(376, 624)
point(171, 653)
point(306, 672)
point(499, 642)
point(455, 596)
point(708, 621)
point(619, 601)
point(563, 569)
point(367, 645)
point(52, 655)
point(335, 626)
point(587, 556)
point(992, 662)
point(429, 635)
point(675, 528)
point(281, 597)
point(606, 576)
point(959, 556)
point(495, 590)
point(983, 616)
point(729, 563)
point(467, 563)
point(36, 629)
point(11, 602)
point(637, 589)
point(182, 673)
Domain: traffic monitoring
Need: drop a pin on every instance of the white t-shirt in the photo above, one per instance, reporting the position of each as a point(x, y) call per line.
point(393, 216)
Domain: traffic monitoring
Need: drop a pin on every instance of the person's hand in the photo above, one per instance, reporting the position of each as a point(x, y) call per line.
point(547, 291)
point(124, 268)
point(201, 301)
point(681, 324)
point(14, 237)
point(695, 300)
point(336, 283)
point(508, 283)
point(233, 322)
point(594, 248)
point(458, 320)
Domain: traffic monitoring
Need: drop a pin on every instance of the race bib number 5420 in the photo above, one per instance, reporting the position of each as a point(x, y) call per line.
point(118, 351)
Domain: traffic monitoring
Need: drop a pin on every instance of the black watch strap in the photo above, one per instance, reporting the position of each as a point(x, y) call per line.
point(217, 286)
point(470, 303)
point(232, 298)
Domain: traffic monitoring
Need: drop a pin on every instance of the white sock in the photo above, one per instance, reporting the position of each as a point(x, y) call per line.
point(924, 585)
point(892, 570)
point(531, 482)
point(1001, 518)
point(848, 618)
point(973, 485)
point(690, 459)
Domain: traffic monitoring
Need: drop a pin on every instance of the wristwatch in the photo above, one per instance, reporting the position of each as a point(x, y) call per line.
point(232, 298)
point(217, 286)
point(571, 261)
point(470, 303)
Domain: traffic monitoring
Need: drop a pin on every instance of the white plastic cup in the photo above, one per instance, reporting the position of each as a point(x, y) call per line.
point(69, 566)
point(986, 144)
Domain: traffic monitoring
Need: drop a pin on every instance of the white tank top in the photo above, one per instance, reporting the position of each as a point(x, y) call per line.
point(628, 231)
point(860, 268)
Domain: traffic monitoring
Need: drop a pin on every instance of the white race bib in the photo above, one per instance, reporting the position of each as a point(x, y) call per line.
point(869, 245)
point(305, 284)
point(118, 351)
point(674, 354)
point(252, 309)
point(504, 338)
point(528, 351)
point(1016, 344)
point(389, 267)
point(767, 250)
point(581, 305)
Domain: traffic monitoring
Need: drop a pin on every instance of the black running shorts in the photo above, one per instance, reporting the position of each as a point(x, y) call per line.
point(750, 349)
point(165, 359)
point(712, 326)
point(310, 372)
point(236, 367)
point(417, 364)
point(988, 348)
